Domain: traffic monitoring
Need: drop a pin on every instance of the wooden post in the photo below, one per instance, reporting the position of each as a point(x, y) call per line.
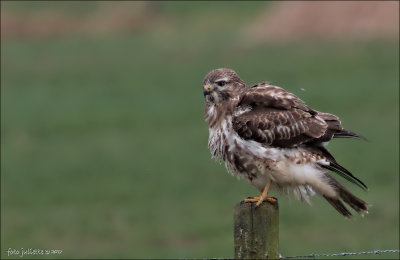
point(256, 231)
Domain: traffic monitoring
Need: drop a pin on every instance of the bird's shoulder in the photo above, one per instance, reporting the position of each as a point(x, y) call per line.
point(265, 94)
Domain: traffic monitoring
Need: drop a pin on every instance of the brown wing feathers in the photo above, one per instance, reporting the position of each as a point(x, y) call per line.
point(334, 166)
point(335, 128)
point(266, 95)
point(337, 168)
point(279, 118)
point(284, 128)
point(282, 119)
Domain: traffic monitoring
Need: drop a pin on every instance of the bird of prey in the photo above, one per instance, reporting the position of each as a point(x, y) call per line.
point(270, 138)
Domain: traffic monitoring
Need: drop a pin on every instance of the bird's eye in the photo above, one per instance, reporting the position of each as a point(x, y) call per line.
point(221, 83)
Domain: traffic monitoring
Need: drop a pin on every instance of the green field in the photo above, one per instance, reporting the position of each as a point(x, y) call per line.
point(104, 146)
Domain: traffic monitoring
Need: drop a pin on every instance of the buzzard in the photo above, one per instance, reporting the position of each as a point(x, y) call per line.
point(269, 137)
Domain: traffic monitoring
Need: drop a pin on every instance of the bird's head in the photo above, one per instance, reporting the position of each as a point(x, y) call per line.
point(222, 84)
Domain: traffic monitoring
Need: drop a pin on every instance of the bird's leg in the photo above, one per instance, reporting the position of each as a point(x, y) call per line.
point(262, 196)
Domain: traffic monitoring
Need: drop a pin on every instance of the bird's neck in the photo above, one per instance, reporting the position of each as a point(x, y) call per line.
point(214, 114)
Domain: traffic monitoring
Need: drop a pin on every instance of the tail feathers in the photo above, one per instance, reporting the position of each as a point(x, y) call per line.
point(348, 134)
point(344, 195)
point(356, 203)
point(338, 205)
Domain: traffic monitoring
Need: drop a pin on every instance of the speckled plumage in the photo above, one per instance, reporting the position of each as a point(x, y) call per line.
point(263, 132)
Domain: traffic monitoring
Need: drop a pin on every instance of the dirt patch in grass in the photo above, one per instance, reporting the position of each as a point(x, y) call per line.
point(338, 20)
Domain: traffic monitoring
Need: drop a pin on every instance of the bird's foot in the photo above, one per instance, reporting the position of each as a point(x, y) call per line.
point(252, 199)
point(260, 199)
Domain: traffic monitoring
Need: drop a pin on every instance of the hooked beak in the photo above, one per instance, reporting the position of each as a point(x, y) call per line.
point(207, 89)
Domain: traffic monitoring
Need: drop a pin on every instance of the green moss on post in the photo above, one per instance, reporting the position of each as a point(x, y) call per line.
point(256, 231)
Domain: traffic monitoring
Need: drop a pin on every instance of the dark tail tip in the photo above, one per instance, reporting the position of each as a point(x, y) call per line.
point(356, 203)
point(339, 206)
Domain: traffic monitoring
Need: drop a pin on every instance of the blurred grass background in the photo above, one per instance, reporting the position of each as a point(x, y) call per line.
point(104, 146)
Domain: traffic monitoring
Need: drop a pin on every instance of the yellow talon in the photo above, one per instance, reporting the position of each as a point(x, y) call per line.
point(269, 199)
point(252, 199)
point(262, 197)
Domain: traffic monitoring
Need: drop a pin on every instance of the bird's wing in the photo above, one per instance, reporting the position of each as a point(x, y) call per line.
point(273, 116)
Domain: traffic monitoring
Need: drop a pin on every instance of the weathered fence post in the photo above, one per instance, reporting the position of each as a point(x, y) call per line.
point(256, 230)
